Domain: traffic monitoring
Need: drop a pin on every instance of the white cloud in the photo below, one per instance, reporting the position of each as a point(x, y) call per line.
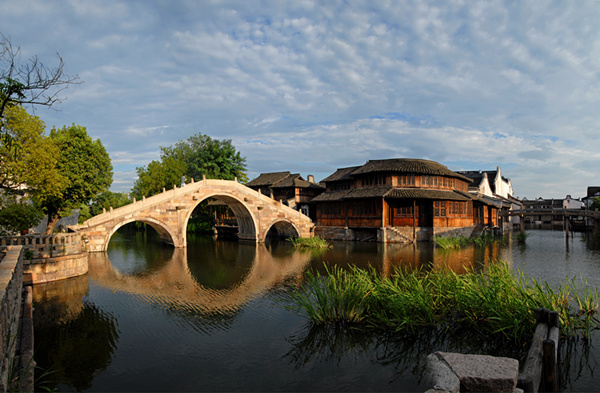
point(307, 84)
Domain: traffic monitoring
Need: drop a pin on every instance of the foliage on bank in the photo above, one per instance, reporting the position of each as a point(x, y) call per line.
point(197, 156)
point(493, 301)
point(454, 242)
point(309, 242)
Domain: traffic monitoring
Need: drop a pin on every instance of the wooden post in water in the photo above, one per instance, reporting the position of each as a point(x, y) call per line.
point(522, 223)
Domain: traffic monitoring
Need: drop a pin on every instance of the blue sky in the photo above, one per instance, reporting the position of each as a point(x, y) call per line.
point(311, 86)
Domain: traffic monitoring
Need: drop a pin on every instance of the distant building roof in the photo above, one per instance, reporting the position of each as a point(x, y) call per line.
point(295, 180)
point(268, 179)
point(282, 180)
point(408, 165)
point(341, 174)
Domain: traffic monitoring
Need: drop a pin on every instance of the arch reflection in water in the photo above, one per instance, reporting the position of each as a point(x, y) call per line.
point(247, 271)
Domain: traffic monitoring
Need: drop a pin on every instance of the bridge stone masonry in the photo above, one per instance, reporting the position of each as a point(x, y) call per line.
point(169, 212)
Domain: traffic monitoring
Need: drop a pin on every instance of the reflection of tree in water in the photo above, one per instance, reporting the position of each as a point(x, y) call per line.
point(76, 349)
point(406, 353)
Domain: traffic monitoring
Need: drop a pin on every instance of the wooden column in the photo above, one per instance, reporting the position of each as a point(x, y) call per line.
point(414, 220)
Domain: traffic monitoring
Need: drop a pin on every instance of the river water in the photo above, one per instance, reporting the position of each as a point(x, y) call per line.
point(148, 317)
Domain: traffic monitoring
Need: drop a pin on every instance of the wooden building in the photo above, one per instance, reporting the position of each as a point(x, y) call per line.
point(290, 189)
point(399, 200)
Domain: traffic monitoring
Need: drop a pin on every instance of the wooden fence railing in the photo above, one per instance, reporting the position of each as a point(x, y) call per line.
point(540, 371)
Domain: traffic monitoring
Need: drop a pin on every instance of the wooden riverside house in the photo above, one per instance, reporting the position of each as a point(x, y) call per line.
point(399, 200)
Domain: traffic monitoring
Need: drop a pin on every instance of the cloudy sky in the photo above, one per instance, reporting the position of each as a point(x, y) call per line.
point(311, 86)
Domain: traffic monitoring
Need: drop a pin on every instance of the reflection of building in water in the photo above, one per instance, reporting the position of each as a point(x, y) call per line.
point(174, 282)
point(427, 256)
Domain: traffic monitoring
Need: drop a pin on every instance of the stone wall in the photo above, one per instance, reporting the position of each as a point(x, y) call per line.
point(37, 271)
point(49, 257)
point(454, 231)
point(11, 287)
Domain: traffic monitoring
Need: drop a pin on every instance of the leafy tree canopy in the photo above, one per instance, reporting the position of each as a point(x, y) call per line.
point(197, 156)
point(29, 162)
point(87, 167)
point(17, 215)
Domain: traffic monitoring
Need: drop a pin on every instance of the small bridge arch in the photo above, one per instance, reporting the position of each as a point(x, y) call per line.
point(282, 228)
point(165, 233)
point(169, 213)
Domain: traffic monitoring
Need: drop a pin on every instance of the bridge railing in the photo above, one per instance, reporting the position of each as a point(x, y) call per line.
point(38, 246)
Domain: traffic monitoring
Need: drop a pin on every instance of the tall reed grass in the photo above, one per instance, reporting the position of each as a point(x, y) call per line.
point(493, 301)
point(461, 241)
point(309, 242)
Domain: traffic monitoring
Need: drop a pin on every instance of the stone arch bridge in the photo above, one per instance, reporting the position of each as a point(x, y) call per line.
point(168, 213)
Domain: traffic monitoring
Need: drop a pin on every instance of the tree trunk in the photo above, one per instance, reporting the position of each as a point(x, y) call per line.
point(53, 219)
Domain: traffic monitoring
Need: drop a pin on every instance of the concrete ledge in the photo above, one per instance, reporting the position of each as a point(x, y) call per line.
point(453, 372)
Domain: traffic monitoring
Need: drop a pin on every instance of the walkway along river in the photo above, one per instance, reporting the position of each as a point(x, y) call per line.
point(148, 317)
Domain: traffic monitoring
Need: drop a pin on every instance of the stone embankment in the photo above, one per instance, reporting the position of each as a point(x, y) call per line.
point(16, 324)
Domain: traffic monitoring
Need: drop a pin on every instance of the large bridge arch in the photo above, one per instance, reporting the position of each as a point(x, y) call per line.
point(166, 234)
point(247, 222)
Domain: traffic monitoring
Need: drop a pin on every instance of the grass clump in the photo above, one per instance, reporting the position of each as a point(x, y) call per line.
point(522, 237)
point(453, 242)
point(493, 301)
point(309, 242)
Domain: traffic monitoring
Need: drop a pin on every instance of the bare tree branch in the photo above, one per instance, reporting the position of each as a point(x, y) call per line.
point(30, 83)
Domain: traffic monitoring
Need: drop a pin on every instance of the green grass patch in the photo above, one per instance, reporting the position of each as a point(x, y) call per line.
point(522, 237)
point(454, 242)
point(493, 301)
point(309, 242)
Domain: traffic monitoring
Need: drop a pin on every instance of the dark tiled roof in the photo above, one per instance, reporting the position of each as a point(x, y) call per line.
point(408, 165)
point(419, 193)
point(341, 174)
point(368, 192)
point(591, 191)
point(331, 196)
point(296, 180)
point(391, 193)
point(267, 179)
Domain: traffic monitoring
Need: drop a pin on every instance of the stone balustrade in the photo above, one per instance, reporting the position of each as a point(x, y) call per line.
point(49, 257)
point(46, 246)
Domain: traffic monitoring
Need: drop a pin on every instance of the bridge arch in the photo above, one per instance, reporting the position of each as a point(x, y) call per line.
point(282, 228)
point(166, 234)
point(247, 224)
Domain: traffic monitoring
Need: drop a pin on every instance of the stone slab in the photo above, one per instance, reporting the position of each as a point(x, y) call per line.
point(482, 373)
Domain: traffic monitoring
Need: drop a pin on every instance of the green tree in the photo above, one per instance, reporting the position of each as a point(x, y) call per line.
point(213, 158)
point(18, 215)
point(595, 204)
point(87, 167)
point(29, 162)
point(198, 156)
point(156, 176)
point(109, 199)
